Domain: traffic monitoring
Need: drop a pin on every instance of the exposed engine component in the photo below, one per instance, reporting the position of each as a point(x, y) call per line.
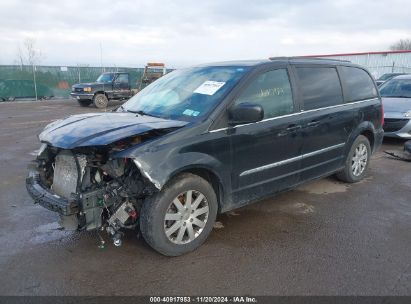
point(119, 219)
point(103, 193)
point(66, 173)
point(122, 214)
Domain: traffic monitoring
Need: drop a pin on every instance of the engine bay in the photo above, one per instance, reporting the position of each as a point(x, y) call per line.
point(106, 194)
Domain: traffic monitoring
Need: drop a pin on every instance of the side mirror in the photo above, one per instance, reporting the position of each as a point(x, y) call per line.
point(244, 113)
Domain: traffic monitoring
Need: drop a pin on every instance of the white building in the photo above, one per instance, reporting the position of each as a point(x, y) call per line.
point(378, 63)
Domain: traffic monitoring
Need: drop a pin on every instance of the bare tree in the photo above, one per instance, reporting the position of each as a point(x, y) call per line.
point(20, 57)
point(28, 54)
point(401, 45)
point(32, 54)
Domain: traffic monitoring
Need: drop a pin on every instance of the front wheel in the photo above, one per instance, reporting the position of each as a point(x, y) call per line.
point(180, 217)
point(357, 161)
point(100, 101)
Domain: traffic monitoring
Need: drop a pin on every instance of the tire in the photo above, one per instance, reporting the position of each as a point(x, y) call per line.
point(182, 239)
point(357, 161)
point(84, 102)
point(407, 146)
point(100, 101)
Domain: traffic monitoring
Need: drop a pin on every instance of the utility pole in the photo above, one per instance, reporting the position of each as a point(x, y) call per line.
point(34, 80)
point(101, 57)
point(79, 73)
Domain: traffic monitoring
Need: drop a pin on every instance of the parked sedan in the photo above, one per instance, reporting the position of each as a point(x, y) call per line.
point(396, 98)
point(387, 76)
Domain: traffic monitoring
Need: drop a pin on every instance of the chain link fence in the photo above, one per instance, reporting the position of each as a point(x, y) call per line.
point(18, 82)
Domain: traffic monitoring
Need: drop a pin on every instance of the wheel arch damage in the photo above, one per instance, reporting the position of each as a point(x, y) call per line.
point(160, 173)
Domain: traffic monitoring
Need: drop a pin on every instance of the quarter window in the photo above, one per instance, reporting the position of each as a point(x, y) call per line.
point(320, 87)
point(358, 83)
point(271, 90)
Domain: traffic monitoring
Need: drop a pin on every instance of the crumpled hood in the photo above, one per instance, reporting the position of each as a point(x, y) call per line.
point(96, 129)
point(396, 105)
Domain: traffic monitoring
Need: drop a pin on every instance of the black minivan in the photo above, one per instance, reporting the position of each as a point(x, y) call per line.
point(204, 140)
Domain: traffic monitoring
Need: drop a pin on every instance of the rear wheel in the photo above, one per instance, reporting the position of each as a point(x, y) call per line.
point(100, 101)
point(84, 102)
point(179, 218)
point(357, 161)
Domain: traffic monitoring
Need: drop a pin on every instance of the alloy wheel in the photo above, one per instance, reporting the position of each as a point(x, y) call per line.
point(186, 217)
point(359, 160)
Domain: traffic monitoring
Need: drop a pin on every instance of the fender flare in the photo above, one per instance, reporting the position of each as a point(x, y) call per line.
point(101, 92)
point(365, 126)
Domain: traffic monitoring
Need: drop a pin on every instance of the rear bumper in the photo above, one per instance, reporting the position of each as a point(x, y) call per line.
point(46, 198)
point(82, 96)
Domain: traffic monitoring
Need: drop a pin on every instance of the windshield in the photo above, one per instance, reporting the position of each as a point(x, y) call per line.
point(186, 94)
point(105, 78)
point(388, 76)
point(396, 88)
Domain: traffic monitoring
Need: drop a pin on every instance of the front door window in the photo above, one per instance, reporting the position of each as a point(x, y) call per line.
point(271, 90)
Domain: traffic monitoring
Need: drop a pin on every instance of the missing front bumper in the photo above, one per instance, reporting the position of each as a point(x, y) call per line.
point(85, 209)
point(47, 198)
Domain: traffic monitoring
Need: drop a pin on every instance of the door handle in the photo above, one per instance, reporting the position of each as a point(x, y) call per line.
point(289, 129)
point(293, 128)
point(313, 123)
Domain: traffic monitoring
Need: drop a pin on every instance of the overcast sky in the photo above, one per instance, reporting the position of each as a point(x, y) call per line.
point(182, 33)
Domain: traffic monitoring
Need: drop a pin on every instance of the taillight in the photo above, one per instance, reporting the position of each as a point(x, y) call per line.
point(382, 115)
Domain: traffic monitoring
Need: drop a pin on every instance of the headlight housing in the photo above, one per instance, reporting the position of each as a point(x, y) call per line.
point(407, 114)
point(87, 89)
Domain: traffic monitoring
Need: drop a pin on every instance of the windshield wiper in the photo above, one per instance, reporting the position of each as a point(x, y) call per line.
point(142, 113)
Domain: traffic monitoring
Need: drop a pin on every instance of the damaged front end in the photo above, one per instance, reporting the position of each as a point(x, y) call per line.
point(89, 188)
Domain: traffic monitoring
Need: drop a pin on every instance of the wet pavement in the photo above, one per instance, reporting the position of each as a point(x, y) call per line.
point(323, 238)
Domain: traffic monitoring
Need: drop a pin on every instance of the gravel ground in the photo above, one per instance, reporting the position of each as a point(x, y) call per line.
point(324, 238)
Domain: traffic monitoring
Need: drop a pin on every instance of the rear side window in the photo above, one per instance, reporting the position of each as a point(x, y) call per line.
point(320, 87)
point(358, 83)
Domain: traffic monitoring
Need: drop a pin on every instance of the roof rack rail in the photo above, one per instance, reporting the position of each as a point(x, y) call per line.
point(307, 58)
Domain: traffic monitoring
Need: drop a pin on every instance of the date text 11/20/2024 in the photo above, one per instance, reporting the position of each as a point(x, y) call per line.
point(239, 299)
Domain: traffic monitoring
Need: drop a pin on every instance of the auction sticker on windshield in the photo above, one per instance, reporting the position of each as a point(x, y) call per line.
point(191, 112)
point(209, 87)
